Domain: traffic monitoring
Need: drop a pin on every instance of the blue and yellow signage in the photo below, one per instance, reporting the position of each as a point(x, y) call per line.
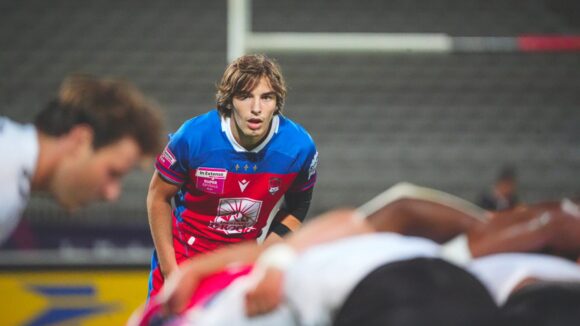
point(70, 298)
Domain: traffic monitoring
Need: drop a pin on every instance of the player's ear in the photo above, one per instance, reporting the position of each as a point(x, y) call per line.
point(79, 137)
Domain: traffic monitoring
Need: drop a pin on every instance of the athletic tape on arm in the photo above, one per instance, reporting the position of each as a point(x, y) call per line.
point(280, 256)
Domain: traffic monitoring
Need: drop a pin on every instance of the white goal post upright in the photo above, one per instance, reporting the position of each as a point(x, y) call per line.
point(239, 27)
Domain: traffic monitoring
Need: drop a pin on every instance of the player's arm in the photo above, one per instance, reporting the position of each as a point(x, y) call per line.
point(331, 226)
point(538, 207)
point(418, 211)
point(327, 227)
point(290, 217)
point(180, 286)
point(159, 213)
point(284, 223)
point(296, 200)
point(544, 226)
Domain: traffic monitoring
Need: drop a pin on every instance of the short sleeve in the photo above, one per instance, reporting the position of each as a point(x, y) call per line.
point(307, 176)
point(172, 163)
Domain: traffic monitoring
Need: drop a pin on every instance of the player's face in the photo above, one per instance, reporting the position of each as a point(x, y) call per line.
point(90, 175)
point(507, 188)
point(252, 114)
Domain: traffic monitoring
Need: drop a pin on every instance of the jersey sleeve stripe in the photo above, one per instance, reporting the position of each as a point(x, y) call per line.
point(168, 175)
point(308, 186)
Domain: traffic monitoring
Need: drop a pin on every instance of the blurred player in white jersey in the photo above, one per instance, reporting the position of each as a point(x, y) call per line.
point(78, 149)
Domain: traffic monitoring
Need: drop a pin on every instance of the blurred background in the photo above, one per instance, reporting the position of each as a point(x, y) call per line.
point(444, 119)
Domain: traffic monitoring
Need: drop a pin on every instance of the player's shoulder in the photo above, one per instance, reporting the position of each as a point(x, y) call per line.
point(290, 130)
point(14, 132)
point(201, 124)
point(194, 133)
point(199, 127)
point(7, 134)
point(7, 125)
point(3, 121)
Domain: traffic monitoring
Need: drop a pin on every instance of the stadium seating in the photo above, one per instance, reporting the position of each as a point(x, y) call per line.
point(442, 120)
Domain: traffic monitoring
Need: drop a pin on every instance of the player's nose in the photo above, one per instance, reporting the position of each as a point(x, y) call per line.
point(256, 107)
point(112, 191)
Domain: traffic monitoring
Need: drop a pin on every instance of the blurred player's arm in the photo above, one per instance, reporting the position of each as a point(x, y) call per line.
point(418, 211)
point(538, 207)
point(180, 286)
point(291, 215)
point(429, 213)
point(160, 221)
point(327, 227)
point(552, 226)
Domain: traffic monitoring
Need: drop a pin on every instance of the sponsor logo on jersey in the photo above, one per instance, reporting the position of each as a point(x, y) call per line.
point(243, 184)
point(313, 166)
point(211, 180)
point(274, 185)
point(236, 215)
point(167, 159)
point(211, 173)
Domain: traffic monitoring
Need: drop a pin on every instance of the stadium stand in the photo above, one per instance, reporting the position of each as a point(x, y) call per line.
point(441, 120)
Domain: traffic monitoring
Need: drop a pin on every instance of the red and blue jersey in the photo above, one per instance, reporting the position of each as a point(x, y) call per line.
point(229, 194)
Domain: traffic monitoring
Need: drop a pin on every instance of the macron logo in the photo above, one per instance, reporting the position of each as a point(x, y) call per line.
point(243, 184)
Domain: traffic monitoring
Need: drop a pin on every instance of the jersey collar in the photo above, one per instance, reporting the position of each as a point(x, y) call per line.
point(226, 127)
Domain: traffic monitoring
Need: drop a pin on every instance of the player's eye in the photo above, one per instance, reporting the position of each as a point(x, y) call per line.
point(115, 174)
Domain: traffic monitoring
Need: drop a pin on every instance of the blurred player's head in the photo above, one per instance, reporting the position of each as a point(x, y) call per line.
point(421, 291)
point(506, 181)
point(544, 303)
point(251, 91)
point(102, 128)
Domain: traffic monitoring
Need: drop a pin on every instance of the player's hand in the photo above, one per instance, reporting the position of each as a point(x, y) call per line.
point(161, 307)
point(166, 271)
point(267, 294)
point(178, 289)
